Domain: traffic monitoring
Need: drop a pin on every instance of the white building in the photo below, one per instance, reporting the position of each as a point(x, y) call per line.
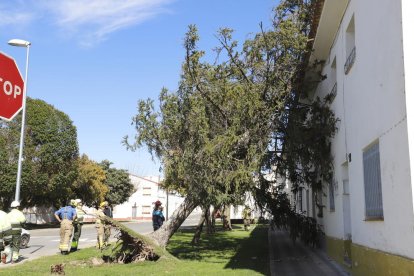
point(368, 49)
point(141, 203)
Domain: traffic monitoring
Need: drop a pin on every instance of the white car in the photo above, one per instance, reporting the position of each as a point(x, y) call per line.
point(25, 238)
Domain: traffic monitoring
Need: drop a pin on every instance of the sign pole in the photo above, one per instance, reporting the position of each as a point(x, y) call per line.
point(19, 162)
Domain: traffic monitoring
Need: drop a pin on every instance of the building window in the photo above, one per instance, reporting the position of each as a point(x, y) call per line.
point(146, 210)
point(331, 196)
point(350, 46)
point(334, 88)
point(300, 200)
point(146, 191)
point(372, 183)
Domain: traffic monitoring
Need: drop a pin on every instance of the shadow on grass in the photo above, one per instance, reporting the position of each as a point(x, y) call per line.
point(212, 248)
point(234, 250)
point(253, 252)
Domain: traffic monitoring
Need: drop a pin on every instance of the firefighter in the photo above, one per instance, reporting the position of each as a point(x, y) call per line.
point(17, 220)
point(77, 225)
point(107, 227)
point(65, 216)
point(5, 237)
point(99, 224)
point(247, 217)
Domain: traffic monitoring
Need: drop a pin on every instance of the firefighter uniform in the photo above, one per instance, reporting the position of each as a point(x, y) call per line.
point(107, 227)
point(247, 217)
point(99, 224)
point(77, 225)
point(5, 237)
point(17, 220)
point(65, 216)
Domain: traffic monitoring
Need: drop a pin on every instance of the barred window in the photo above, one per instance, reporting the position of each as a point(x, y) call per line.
point(146, 191)
point(331, 196)
point(146, 210)
point(372, 183)
point(350, 46)
point(300, 200)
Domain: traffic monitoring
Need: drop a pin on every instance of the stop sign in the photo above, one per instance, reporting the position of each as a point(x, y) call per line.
point(11, 88)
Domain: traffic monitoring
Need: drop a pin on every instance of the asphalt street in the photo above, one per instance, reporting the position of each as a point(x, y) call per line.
point(45, 242)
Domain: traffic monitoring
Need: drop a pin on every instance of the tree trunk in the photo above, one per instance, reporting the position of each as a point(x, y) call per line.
point(226, 218)
point(208, 221)
point(199, 229)
point(213, 218)
point(163, 235)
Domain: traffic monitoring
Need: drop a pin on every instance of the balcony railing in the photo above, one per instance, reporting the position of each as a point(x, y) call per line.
point(350, 61)
point(334, 90)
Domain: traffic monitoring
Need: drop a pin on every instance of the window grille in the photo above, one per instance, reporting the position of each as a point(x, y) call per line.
point(146, 191)
point(350, 61)
point(334, 90)
point(331, 196)
point(146, 210)
point(372, 183)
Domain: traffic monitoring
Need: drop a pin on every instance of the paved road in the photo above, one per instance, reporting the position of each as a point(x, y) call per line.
point(288, 258)
point(45, 242)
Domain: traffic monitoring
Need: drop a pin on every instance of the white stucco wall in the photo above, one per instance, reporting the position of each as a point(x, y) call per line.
point(147, 192)
point(370, 104)
point(408, 44)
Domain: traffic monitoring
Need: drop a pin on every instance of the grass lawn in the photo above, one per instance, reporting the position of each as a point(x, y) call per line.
point(232, 253)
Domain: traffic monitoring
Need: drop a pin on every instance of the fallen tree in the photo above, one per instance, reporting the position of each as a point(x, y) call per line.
point(131, 246)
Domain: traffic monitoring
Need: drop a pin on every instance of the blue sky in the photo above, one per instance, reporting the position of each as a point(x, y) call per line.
point(95, 59)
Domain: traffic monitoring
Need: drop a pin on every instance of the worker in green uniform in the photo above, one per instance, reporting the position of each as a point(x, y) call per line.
point(77, 225)
point(17, 220)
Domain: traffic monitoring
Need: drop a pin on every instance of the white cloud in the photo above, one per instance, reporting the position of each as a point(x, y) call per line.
point(88, 21)
point(93, 20)
point(16, 15)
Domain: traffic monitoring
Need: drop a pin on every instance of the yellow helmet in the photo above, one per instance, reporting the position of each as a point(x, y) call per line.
point(73, 202)
point(103, 204)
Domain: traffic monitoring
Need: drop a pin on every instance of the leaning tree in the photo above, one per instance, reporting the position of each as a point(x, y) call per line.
point(213, 134)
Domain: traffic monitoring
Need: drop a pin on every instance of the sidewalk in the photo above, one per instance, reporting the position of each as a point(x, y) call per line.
point(288, 258)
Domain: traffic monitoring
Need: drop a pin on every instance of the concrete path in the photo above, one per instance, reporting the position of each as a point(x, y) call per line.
point(288, 258)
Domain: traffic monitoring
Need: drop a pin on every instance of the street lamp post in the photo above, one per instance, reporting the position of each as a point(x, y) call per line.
point(21, 43)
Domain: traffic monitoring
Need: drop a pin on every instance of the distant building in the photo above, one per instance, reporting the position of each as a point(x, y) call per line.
point(141, 203)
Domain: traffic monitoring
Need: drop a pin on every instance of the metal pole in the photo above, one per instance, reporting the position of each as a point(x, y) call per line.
point(19, 162)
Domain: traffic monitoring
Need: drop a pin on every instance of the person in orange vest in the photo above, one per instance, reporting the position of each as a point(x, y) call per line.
point(65, 217)
point(17, 220)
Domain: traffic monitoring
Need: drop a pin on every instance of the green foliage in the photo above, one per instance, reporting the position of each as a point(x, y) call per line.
point(90, 184)
point(233, 123)
point(213, 132)
point(118, 182)
point(50, 153)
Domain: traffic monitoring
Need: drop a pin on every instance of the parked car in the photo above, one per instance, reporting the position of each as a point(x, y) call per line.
point(25, 238)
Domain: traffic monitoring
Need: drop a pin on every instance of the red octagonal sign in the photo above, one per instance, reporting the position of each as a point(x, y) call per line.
point(11, 88)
